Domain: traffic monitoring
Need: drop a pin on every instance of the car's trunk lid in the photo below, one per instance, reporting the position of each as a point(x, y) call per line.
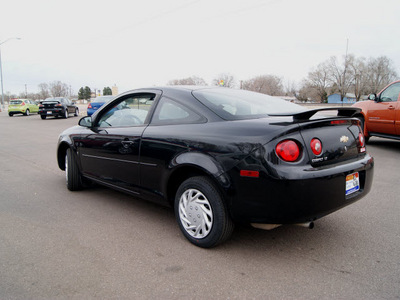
point(340, 136)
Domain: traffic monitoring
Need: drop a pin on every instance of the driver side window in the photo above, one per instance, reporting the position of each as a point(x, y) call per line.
point(130, 111)
point(391, 94)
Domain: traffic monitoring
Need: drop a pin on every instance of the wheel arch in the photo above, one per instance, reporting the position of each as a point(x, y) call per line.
point(196, 164)
point(61, 152)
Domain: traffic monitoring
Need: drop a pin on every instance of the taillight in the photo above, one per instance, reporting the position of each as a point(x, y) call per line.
point(288, 150)
point(58, 105)
point(338, 122)
point(90, 105)
point(316, 146)
point(41, 106)
point(361, 140)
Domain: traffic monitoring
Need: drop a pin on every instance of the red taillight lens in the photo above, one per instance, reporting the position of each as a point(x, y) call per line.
point(288, 150)
point(316, 146)
point(58, 105)
point(89, 106)
point(361, 139)
point(338, 122)
point(41, 106)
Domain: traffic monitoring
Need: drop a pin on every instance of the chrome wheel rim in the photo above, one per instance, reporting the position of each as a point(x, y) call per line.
point(195, 213)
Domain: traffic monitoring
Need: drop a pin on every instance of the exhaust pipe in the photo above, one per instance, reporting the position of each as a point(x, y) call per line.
point(309, 225)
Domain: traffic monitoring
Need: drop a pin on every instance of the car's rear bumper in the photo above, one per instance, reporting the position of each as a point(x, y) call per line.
point(303, 196)
point(52, 112)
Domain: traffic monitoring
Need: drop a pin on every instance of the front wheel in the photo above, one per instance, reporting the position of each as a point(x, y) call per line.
point(76, 112)
point(66, 113)
point(72, 174)
point(201, 213)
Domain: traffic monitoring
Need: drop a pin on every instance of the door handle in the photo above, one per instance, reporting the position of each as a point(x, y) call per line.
point(391, 107)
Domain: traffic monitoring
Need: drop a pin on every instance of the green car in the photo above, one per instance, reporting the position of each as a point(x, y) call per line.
point(22, 106)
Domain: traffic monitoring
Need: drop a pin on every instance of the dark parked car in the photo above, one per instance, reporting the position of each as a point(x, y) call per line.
point(57, 107)
point(96, 103)
point(221, 156)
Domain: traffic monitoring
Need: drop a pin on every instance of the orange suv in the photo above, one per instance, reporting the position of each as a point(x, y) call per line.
point(380, 115)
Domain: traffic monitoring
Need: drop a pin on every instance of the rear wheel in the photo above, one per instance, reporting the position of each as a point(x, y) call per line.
point(10, 114)
point(43, 117)
point(72, 175)
point(201, 213)
point(27, 112)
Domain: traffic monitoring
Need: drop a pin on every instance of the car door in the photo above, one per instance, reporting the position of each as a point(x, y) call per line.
point(110, 151)
point(382, 113)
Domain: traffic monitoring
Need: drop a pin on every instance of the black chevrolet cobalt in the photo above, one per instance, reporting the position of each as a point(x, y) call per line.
point(221, 156)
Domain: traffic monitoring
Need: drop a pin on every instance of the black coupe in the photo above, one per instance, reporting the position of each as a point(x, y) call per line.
point(221, 156)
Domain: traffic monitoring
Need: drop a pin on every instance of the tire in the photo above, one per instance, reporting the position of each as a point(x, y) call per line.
point(201, 213)
point(27, 112)
point(43, 117)
point(10, 114)
point(66, 113)
point(72, 174)
point(76, 112)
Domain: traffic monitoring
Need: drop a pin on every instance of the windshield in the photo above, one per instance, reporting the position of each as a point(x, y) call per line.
point(231, 104)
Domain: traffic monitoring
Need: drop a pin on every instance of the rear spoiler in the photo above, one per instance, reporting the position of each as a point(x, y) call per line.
point(306, 115)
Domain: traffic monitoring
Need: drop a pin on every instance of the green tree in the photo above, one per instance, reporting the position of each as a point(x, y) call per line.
point(107, 91)
point(81, 93)
point(87, 93)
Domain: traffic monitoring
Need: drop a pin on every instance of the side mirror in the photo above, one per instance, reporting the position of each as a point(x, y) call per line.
point(372, 97)
point(85, 122)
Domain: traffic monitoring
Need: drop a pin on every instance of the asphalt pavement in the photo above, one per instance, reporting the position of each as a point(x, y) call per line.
point(102, 244)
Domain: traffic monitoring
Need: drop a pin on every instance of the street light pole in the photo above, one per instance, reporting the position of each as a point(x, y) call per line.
point(1, 70)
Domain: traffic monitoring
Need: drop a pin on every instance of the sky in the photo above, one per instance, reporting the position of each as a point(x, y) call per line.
point(134, 44)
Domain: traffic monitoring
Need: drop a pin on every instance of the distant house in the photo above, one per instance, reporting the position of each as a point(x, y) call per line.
point(335, 98)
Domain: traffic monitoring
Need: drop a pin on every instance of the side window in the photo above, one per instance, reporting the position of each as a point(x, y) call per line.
point(391, 93)
point(129, 111)
point(170, 112)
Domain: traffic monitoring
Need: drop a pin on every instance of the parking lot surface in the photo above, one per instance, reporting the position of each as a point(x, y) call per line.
point(99, 243)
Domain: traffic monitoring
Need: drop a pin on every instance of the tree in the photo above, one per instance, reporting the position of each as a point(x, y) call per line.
point(194, 80)
point(380, 73)
point(266, 84)
point(341, 75)
point(318, 80)
point(107, 91)
point(81, 93)
point(58, 89)
point(225, 80)
point(87, 93)
point(43, 91)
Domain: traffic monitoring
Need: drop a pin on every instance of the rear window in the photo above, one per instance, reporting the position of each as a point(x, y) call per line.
point(102, 99)
point(231, 104)
point(15, 102)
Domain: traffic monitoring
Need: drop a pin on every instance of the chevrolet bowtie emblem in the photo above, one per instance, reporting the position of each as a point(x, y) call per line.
point(344, 139)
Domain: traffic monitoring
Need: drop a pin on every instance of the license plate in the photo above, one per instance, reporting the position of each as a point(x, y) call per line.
point(352, 183)
point(49, 112)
